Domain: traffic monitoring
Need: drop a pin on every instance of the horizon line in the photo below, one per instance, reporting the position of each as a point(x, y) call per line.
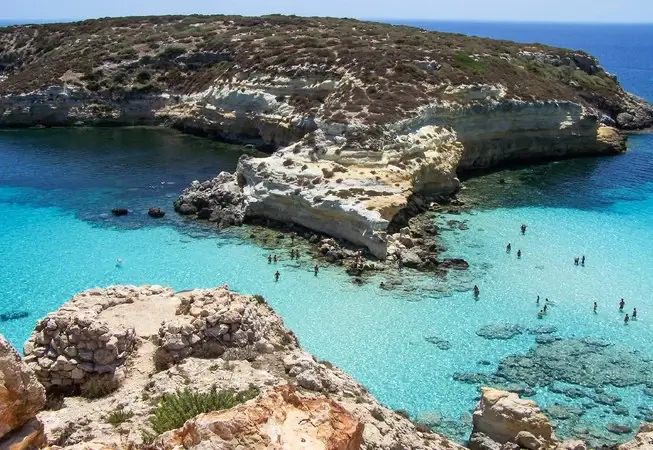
point(35, 21)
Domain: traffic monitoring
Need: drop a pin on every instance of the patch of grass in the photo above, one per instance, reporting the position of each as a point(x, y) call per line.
point(464, 61)
point(119, 416)
point(175, 409)
point(98, 386)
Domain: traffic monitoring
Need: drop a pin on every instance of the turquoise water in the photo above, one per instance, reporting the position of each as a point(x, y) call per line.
point(58, 186)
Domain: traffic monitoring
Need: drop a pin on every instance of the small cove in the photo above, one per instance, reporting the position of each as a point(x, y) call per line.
point(418, 347)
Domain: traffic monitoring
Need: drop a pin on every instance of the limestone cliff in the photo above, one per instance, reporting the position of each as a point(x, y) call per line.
point(362, 115)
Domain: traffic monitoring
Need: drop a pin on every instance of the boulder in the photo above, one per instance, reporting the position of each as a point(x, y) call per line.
point(186, 209)
point(454, 263)
point(28, 437)
point(155, 212)
point(505, 418)
point(643, 439)
point(21, 395)
point(119, 211)
point(280, 419)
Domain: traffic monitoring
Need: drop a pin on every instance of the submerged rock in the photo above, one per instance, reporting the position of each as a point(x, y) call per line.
point(119, 211)
point(501, 331)
point(440, 343)
point(155, 212)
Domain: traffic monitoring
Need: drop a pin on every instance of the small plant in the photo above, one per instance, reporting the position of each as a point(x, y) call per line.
point(98, 386)
point(175, 409)
point(162, 359)
point(119, 416)
point(260, 299)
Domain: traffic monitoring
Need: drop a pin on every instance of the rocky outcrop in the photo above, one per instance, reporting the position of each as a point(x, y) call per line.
point(214, 338)
point(280, 419)
point(502, 417)
point(643, 439)
point(21, 398)
point(75, 344)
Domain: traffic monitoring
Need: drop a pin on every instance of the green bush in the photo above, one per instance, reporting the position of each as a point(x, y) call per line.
point(119, 416)
point(464, 61)
point(260, 299)
point(98, 386)
point(175, 409)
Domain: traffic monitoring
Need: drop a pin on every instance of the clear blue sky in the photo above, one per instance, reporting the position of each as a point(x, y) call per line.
point(492, 10)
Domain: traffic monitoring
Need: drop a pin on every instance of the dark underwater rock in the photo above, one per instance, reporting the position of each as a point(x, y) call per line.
point(618, 429)
point(501, 331)
point(440, 343)
point(155, 212)
point(119, 211)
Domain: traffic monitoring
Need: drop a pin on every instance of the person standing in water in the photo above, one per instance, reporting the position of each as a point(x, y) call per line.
point(274, 258)
point(544, 309)
point(518, 254)
point(540, 314)
point(634, 313)
point(316, 269)
point(508, 248)
point(537, 302)
point(476, 291)
point(523, 229)
point(269, 259)
point(621, 305)
point(626, 319)
point(595, 307)
point(575, 260)
point(582, 261)
point(276, 276)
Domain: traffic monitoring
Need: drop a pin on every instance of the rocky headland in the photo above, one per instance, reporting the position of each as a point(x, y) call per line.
point(364, 119)
point(122, 365)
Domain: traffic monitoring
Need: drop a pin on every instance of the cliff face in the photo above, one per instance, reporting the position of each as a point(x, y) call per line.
point(362, 115)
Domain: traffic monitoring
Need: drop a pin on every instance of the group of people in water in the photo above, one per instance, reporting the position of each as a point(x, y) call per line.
point(577, 261)
point(294, 254)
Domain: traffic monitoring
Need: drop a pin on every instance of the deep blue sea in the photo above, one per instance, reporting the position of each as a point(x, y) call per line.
point(425, 347)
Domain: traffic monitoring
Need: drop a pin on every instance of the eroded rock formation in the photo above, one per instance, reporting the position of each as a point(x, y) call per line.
point(282, 418)
point(21, 398)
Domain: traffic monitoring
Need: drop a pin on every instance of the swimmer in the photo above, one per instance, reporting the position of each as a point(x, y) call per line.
point(595, 307)
point(476, 291)
point(316, 269)
point(382, 285)
point(118, 262)
point(276, 276)
point(518, 254)
point(537, 302)
point(582, 261)
point(626, 319)
point(621, 305)
point(540, 314)
point(545, 309)
point(634, 314)
point(274, 258)
point(269, 259)
point(508, 247)
point(523, 229)
point(576, 261)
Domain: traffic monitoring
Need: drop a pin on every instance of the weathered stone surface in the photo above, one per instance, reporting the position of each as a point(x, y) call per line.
point(280, 419)
point(21, 395)
point(505, 418)
point(270, 359)
point(28, 437)
point(643, 439)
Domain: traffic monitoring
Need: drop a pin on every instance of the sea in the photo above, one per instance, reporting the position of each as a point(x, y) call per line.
point(425, 346)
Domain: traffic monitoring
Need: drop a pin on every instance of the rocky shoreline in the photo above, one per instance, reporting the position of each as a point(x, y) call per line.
point(126, 349)
point(359, 132)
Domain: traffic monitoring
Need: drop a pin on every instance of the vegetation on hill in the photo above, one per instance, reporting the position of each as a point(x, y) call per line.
point(389, 69)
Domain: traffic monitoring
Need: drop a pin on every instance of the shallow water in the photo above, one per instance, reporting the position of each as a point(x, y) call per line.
point(58, 238)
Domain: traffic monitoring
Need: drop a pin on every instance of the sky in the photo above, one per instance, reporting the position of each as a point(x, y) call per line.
point(478, 10)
